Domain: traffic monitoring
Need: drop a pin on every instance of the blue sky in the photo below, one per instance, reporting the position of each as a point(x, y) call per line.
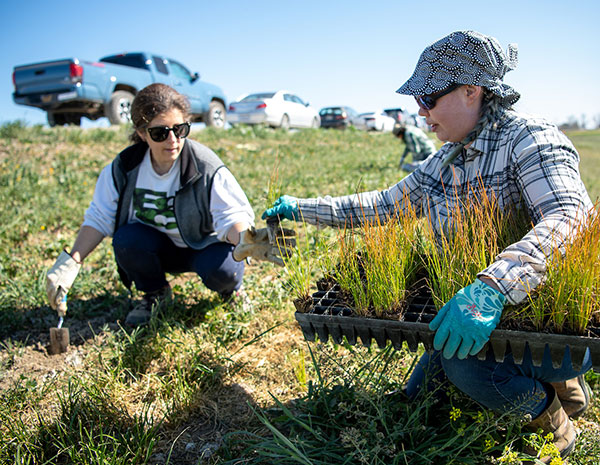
point(354, 53)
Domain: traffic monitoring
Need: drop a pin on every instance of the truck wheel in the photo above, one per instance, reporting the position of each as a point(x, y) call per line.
point(118, 110)
point(56, 119)
point(215, 116)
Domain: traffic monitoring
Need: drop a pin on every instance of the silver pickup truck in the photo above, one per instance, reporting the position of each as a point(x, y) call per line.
point(70, 88)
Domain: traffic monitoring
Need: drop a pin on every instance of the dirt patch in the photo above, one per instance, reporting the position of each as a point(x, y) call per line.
point(26, 355)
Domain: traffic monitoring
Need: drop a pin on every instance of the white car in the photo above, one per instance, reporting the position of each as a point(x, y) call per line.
point(375, 121)
point(278, 109)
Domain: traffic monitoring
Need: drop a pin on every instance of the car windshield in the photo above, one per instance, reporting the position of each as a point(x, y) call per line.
point(252, 97)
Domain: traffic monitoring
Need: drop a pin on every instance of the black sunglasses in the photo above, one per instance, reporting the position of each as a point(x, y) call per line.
point(427, 102)
point(160, 133)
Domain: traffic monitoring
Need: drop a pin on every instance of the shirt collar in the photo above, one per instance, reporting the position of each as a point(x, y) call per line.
point(488, 133)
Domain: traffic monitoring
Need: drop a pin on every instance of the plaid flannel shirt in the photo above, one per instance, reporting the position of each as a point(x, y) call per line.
point(526, 162)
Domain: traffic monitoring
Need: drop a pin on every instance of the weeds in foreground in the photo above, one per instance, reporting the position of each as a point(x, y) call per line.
point(90, 429)
point(364, 418)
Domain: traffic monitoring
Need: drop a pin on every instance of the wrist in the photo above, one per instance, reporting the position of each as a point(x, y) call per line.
point(491, 289)
point(490, 282)
point(75, 255)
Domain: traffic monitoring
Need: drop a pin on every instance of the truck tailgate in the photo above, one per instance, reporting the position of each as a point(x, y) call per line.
point(47, 77)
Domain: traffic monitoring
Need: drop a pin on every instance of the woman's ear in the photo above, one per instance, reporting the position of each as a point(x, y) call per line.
point(142, 134)
point(473, 94)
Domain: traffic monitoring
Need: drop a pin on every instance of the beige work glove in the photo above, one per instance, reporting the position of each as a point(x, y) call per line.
point(254, 243)
point(59, 280)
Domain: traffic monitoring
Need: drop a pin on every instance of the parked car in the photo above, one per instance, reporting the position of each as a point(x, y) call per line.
point(375, 121)
point(337, 117)
point(278, 109)
point(400, 115)
point(71, 88)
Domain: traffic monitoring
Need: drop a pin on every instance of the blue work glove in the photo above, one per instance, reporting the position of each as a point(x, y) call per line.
point(465, 323)
point(285, 206)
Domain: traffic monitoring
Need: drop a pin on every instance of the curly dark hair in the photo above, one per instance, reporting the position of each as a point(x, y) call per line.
point(153, 100)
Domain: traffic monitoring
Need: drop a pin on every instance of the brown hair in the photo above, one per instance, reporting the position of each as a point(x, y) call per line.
point(153, 100)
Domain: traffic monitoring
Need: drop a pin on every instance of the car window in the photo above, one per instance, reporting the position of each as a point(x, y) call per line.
point(160, 64)
point(134, 60)
point(180, 71)
point(288, 97)
point(297, 99)
point(251, 97)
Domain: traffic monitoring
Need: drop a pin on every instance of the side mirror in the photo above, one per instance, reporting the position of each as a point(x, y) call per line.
point(195, 77)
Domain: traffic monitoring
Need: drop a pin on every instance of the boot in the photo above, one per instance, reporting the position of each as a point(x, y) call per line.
point(574, 395)
point(556, 421)
point(152, 302)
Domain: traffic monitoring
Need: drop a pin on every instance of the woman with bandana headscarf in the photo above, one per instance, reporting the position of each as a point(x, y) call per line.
point(527, 164)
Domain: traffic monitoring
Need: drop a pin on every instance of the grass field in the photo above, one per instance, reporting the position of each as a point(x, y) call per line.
point(208, 383)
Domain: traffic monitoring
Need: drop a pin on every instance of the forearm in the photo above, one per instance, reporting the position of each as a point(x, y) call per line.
point(87, 240)
point(348, 211)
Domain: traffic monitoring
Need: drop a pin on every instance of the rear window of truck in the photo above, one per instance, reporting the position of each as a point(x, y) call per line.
point(134, 60)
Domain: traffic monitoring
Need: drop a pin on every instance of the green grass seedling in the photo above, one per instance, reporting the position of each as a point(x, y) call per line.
point(477, 229)
point(568, 300)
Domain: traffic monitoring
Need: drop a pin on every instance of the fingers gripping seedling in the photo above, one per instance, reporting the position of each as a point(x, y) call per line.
point(262, 244)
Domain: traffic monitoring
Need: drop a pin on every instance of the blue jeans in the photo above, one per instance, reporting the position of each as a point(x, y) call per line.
point(146, 255)
point(498, 386)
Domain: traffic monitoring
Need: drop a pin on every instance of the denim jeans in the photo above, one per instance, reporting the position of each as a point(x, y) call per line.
point(147, 255)
point(499, 386)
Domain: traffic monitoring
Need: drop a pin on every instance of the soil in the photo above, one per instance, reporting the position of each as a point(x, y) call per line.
point(29, 355)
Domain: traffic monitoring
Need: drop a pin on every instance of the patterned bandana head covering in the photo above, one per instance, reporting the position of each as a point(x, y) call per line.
point(464, 57)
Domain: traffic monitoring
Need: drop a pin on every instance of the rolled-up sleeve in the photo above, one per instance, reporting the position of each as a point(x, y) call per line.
point(101, 213)
point(228, 204)
point(546, 171)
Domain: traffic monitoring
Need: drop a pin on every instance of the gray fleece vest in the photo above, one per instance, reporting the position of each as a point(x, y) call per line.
point(192, 201)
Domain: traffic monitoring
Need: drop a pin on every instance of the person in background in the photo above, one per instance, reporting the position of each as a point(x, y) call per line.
point(527, 164)
point(417, 143)
point(171, 206)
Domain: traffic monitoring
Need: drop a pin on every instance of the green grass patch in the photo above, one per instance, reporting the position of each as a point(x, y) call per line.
point(207, 382)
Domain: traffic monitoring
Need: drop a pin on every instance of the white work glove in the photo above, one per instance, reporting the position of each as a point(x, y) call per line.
point(59, 280)
point(255, 243)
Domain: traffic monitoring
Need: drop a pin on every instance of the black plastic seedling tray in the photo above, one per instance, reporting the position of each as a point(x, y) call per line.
point(328, 316)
